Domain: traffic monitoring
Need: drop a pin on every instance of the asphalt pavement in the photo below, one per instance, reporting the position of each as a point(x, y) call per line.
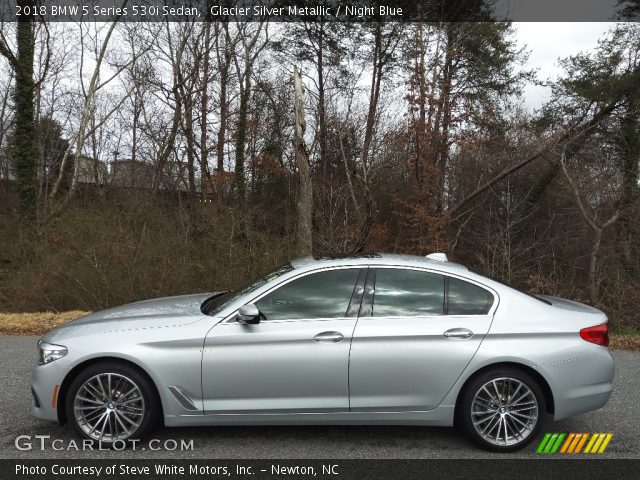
point(17, 355)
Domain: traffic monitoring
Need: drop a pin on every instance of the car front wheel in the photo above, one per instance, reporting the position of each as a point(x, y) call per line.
point(503, 409)
point(111, 402)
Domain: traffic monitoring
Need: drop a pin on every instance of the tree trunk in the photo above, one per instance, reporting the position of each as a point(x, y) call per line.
point(190, 137)
point(630, 176)
point(441, 150)
point(24, 149)
point(241, 137)
point(222, 132)
point(305, 195)
point(204, 105)
point(594, 283)
point(322, 120)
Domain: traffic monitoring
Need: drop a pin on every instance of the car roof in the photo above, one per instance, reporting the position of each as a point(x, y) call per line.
point(377, 259)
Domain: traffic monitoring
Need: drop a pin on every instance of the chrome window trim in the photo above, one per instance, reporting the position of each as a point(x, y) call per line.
point(490, 313)
point(231, 320)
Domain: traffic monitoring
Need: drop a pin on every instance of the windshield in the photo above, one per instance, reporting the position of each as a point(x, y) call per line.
point(216, 303)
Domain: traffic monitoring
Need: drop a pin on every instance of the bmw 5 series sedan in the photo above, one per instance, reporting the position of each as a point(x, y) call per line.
point(376, 339)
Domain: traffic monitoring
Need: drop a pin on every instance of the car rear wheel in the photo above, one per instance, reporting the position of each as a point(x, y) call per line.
point(503, 409)
point(112, 402)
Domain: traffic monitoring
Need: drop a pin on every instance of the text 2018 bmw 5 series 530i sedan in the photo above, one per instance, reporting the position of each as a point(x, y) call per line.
point(377, 339)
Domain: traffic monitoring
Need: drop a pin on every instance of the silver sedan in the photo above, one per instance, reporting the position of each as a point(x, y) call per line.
point(375, 339)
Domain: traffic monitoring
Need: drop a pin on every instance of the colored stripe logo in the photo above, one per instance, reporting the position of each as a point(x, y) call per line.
point(570, 443)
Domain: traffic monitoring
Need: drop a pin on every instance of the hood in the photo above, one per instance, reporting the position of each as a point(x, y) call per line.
point(158, 308)
point(158, 312)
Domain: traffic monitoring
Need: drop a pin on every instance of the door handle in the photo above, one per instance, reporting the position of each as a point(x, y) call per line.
point(460, 333)
point(328, 337)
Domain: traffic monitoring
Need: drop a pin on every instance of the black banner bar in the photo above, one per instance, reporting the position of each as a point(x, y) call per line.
point(322, 10)
point(495, 469)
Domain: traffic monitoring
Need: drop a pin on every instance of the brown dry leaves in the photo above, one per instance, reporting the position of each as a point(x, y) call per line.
point(34, 323)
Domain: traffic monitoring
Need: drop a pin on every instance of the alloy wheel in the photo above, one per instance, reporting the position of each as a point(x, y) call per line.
point(504, 411)
point(109, 407)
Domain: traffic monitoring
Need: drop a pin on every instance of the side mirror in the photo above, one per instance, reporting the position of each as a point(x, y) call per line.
point(248, 314)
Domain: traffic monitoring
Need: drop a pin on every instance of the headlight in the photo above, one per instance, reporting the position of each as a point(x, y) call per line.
point(48, 352)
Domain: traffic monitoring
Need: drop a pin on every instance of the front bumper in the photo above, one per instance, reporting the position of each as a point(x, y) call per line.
point(46, 381)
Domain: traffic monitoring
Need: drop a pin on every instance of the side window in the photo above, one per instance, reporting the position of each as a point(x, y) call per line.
point(318, 295)
point(464, 298)
point(407, 293)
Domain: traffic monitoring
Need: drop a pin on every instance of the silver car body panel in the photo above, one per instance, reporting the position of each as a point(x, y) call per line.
point(385, 370)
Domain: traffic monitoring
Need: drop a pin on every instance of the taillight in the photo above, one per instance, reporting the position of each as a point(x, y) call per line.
point(598, 334)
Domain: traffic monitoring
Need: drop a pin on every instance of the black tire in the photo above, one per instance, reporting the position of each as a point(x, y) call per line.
point(150, 406)
point(499, 374)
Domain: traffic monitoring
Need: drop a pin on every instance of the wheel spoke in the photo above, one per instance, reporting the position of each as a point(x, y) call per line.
point(88, 400)
point(530, 417)
point(104, 424)
point(482, 402)
point(515, 392)
point(131, 407)
point(519, 421)
point(90, 407)
point(99, 382)
point(493, 399)
point(523, 408)
point(122, 425)
point(498, 431)
point(119, 387)
point(517, 402)
point(130, 391)
point(484, 412)
point(104, 414)
point(91, 390)
point(495, 387)
point(479, 422)
point(506, 430)
point(527, 404)
point(125, 417)
point(489, 428)
point(93, 415)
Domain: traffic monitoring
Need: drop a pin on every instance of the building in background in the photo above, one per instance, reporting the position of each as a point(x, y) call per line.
point(91, 170)
point(131, 173)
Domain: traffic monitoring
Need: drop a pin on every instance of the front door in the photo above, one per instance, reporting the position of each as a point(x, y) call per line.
point(414, 339)
point(296, 359)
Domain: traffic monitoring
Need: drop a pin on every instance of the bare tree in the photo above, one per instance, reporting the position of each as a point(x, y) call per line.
point(596, 225)
point(89, 94)
point(253, 40)
point(305, 195)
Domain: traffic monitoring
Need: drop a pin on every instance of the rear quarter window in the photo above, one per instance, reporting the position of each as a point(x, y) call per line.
point(464, 298)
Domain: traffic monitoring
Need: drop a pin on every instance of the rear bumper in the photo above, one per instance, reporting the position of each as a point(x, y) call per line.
point(582, 384)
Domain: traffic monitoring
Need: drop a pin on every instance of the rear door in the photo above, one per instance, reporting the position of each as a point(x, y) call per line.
point(417, 332)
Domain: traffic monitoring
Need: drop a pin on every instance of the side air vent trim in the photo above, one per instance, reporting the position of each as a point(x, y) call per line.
point(182, 398)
